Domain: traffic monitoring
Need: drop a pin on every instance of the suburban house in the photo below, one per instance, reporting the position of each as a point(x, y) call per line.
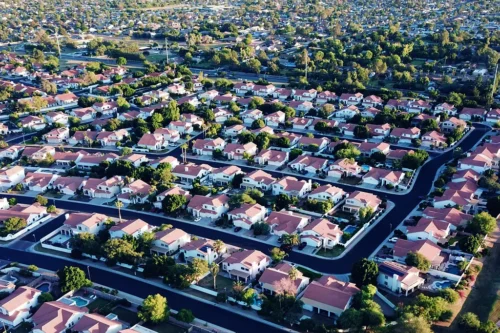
point(300, 123)
point(181, 126)
point(372, 101)
point(405, 135)
point(208, 207)
point(472, 114)
point(68, 185)
point(346, 112)
point(33, 122)
point(106, 108)
point(137, 192)
point(57, 135)
point(379, 131)
point(318, 143)
point(378, 176)
point(358, 199)
point(201, 249)
point(446, 108)
point(176, 190)
point(351, 99)
point(453, 216)
point(84, 114)
point(84, 138)
point(493, 116)
point(251, 115)
point(169, 241)
point(246, 215)
point(345, 167)
point(169, 135)
point(235, 151)
point(16, 307)
point(39, 181)
point(225, 174)
point(112, 138)
point(428, 249)
point(275, 158)
point(275, 119)
point(433, 139)
point(258, 179)
point(235, 130)
point(292, 187)
point(133, 228)
point(329, 296)
point(94, 322)
point(66, 99)
point(368, 148)
point(76, 223)
point(57, 117)
point(304, 95)
point(399, 278)
point(428, 229)
point(417, 106)
point(273, 276)
point(208, 146)
point(327, 192)
point(321, 233)
point(38, 153)
point(30, 213)
point(452, 124)
point(103, 188)
point(187, 173)
point(11, 152)
point(245, 265)
point(152, 142)
point(11, 176)
point(287, 222)
point(56, 317)
point(308, 163)
point(326, 97)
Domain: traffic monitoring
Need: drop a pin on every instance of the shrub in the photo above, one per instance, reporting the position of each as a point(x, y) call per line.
point(124, 302)
point(221, 298)
point(446, 315)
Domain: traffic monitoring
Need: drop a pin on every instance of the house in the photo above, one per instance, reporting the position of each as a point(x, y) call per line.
point(169, 241)
point(433, 139)
point(291, 138)
point(181, 126)
point(251, 115)
point(300, 122)
point(399, 278)
point(38, 153)
point(258, 179)
point(275, 119)
point(384, 177)
point(108, 108)
point(351, 99)
point(370, 112)
point(235, 151)
point(372, 101)
point(428, 249)
point(346, 113)
point(224, 99)
point(201, 249)
point(477, 162)
point(472, 114)
point(56, 317)
point(11, 152)
point(493, 116)
point(176, 190)
point(6, 287)
point(282, 93)
point(11, 177)
point(405, 135)
point(94, 322)
point(318, 143)
point(103, 188)
point(379, 131)
point(287, 222)
point(241, 88)
point(133, 228)
point(208, 207)
point(397, 154)
point(345, 167)
point(152, 142)
point(112, 138)
point(358, 199)
point(419, 119)
point(272, 277)
point(369, 148)
point(168, 134)
point(171, 160)
point(33, 122)
point(208, 146)
point(466, 174)
point(275, 158)
point(428, 229)
point(234, 131)
point(451, 124)
point(187, 173)
point(291, 186)
point(246, 215)
point(309, 163)
point(68, 185)
point(135, 159)
point(16, 307)
point(453, 216)
point(329, 296)
point(225, 175)
point(30, 213)
point(326, 97)
point(417, 106)
point(76, 223)
point(57, 135)
point(445, 108)
point(84, 114)
point(128, 116)
point(89, 161)
point(327, 192)
point(66, 99)
point(137, 192)
point(84, 138)
point(39, 181)
point(454, 198)
point(245, 265)
point(321, 233)
point(57, 117)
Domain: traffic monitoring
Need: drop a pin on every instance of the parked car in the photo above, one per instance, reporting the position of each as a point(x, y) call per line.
point(393, 239)
point(196, 219)
point(237, 229)
point(302, 245)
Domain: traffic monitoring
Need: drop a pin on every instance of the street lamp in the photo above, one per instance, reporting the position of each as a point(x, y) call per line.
point(88, 272)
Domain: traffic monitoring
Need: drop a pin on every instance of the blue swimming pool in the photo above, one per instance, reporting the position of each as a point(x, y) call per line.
point(441, 284)
point(365, 168)
point(350, 229)
point(45, 287)
point(80, 301)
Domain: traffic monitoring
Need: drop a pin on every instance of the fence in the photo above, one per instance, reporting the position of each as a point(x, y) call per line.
point(10, 237)
point(365, 226)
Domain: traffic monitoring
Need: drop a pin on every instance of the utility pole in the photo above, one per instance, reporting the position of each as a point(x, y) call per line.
point(494, 83)
point(166, 48)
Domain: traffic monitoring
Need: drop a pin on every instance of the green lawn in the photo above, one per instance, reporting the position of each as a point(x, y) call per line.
point(308, 273)
point(126, 315)
point(222, 282)
point(98, 303)
point(331, 253)
point(166, 327)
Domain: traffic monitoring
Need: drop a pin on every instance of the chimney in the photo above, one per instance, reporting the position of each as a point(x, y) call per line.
point(186, 169)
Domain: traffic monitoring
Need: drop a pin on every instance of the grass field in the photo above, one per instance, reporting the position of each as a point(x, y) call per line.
point(331, 253)
point(126, 315)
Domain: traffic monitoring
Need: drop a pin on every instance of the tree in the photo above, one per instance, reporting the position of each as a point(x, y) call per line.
point(283, 201)
point(258, 123)
point(122, 250)
point(199, 267)
point(51, 209)
point(261, 228)
point(173, 203)
point(431, 308)
point(293, 239)
point(72, 278)
point(154, 309)
point(238, 199)
point(214, 270)
point(361, 132)
point(294, 153)
point(417, 260)
point(218, 246)
point(14, 224)
point(293, 273)
point(122, 104)
point(450, 295)
point(482, 223)
point(248, 296)
point(351, 319)
point(119, 205)
point(277, 255)
point(493, 205)
point(364, 272)
point(185, 315)
point(415, 159)
point(409, 323)
point(121, 61)
point(471, 243)
point(42, 200)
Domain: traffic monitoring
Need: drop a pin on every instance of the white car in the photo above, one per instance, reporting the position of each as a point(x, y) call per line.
point(393, 239)
point(197, 219)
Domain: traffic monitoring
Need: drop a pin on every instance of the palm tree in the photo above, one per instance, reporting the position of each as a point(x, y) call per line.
point(119, 205)
point(184, 149)
point(214, 270)
point(293, 273)
point(218, 246)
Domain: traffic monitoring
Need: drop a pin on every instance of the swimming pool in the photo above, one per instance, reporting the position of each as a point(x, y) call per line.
point(8, 278)
point(80, 301)
point(365, 168)
point(437, 285)
point(45, 287)
point(350, 229)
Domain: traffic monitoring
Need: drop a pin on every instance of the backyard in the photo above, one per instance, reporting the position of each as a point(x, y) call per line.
point(166, 327)
point(223, 283)
point(127, 315)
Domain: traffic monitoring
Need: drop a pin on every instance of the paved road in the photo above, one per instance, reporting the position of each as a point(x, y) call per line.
point(208, 312)
point(404, 205)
